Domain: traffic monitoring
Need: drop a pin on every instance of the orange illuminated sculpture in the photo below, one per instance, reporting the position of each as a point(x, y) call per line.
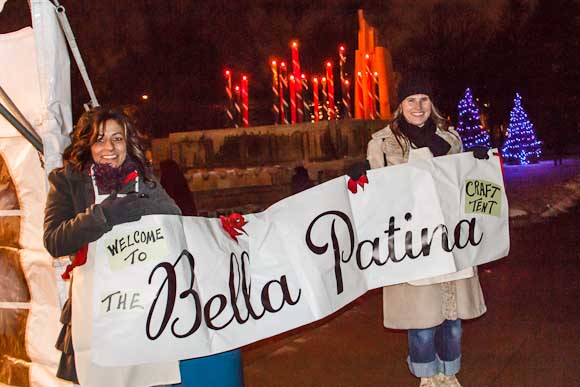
point(374, 69)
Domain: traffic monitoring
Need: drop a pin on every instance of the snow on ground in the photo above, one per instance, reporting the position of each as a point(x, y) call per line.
point(539, 191)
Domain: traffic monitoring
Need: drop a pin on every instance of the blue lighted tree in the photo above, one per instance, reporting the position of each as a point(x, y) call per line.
point(469, 123)
point(521, 146)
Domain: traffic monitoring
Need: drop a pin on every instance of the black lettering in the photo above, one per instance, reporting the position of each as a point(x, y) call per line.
point(471, 234)
point(375, 257)
point(122, 301)
point(469, 184)
point(391, 255)
point(131, 256)
point(114, 249)
point(286, 297)
point(122, 244)
point(247, 289)
point(109, 298)
point(235, 288)
point(171, 281)
point(338, 254)
point(189, 292)
point(409, 246)
point(129, 242)
point(444, 238)
point(209, 317)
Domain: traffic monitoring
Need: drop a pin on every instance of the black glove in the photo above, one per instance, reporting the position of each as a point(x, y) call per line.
point(480, 152)
point(355, 171)
point(123, 210)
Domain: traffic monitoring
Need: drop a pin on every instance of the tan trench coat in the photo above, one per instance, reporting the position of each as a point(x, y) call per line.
point(407, 306)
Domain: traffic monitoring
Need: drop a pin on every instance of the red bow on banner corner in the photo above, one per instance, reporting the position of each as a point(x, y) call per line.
point(496, 153)
point(79, 260)
point(362, 180)
point(233, 224)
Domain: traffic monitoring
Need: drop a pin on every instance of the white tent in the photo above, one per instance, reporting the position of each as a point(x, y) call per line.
point(35, 74)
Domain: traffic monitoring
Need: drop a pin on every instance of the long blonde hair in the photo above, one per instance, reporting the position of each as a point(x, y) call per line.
point(441, 123)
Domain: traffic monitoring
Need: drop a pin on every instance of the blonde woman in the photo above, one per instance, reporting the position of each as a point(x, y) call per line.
point(430, 310)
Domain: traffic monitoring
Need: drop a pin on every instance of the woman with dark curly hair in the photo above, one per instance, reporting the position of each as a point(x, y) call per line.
point(106, 180)
point(88, 130)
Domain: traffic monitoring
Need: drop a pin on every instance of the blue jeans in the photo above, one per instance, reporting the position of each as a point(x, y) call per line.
point(435, 350)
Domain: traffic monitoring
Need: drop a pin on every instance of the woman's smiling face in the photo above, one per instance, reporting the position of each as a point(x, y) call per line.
point(416, 109)
point(111, 145)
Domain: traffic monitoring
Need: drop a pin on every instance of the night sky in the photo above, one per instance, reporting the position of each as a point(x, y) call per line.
point(176, 50)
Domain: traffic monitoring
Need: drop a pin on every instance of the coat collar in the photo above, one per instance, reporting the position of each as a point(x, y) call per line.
point(383, 133)
point(82, 182)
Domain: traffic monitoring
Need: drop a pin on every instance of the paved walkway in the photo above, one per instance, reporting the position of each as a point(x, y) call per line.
point(530, 335)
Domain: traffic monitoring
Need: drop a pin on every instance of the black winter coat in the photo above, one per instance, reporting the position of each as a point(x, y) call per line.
point(71, 219)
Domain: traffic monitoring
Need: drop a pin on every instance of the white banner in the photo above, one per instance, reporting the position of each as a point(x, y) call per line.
point(170, 287)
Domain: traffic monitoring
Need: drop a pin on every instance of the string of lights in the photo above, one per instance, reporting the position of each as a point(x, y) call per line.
point(521, 146)
point(469, 123)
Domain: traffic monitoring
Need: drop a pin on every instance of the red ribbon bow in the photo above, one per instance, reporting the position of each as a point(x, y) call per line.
point(130, 176)
point(361, 181)
point(79, 260)
point(496, 153)
point(233, 224)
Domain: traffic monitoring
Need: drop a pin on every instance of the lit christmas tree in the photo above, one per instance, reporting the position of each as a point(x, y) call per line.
point(521, 146)
point(469, 124)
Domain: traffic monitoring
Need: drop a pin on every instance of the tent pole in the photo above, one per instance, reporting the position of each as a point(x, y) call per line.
point(70, 38)
point(29, 136)
point(18, 114)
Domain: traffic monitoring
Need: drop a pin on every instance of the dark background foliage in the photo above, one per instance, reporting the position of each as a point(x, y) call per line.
point(176, 51)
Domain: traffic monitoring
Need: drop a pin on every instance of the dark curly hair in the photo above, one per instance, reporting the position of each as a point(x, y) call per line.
point(86, 131)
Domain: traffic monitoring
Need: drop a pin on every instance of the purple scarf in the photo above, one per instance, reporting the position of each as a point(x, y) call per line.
point(109, 179)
